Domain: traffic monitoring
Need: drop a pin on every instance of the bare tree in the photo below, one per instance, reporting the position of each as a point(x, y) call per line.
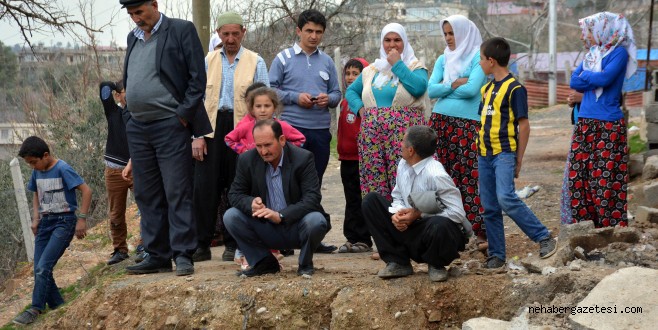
point(38, 16)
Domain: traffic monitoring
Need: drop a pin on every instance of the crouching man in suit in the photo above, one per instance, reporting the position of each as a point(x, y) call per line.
point(276, 199)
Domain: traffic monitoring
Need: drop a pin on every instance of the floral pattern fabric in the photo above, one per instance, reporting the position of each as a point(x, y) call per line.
point(380, 142)
point(457, 151)
point(598, 173)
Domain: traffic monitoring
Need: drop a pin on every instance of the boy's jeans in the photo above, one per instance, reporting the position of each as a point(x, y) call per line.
point(54, 234)
point(497, 194)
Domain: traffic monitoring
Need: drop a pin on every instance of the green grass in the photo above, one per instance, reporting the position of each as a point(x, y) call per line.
point(332, 147)
point(636, 144)
point(102, 239)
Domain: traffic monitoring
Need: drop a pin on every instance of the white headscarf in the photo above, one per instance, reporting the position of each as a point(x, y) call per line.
point(467, 43)
point(408, 56)
point(214, 41)
point(609, 31)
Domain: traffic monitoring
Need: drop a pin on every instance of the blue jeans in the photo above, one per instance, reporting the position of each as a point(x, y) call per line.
point(256, 237)
point(497, 194)
point(54, 235)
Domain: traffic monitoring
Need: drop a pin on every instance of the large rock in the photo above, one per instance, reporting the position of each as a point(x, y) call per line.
point(646, 215)
point(635, 165)
point(650, 170)
point(618, 297)
point(486, 323)
point(651, 194)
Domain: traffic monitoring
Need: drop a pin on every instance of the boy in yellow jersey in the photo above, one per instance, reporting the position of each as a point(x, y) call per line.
point(502, 142)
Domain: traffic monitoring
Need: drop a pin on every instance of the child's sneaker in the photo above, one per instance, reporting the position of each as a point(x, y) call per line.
point(494, 262)
point(27, 317)
point(547, 247)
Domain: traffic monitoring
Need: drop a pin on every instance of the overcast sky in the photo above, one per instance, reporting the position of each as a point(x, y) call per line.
point(104, 12)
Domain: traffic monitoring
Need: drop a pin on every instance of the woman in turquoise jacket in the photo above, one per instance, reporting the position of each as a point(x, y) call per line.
point(456, 82)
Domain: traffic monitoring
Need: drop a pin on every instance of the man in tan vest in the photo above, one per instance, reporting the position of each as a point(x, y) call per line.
point(230, 70)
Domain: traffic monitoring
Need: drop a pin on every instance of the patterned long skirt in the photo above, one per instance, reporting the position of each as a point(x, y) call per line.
point(457, 151)
point(598, 173)
point(380, 142)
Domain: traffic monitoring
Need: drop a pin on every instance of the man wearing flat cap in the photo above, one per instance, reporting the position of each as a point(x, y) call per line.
point(231, 70)
point(165, 81)
point(426, 221)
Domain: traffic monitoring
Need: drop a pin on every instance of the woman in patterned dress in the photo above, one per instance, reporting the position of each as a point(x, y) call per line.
point(456, 81)
point(389, 95)
point(598, 160)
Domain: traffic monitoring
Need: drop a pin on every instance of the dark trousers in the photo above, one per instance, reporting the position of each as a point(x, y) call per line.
point(161, 153)
point(212, 178)
point(354, 226)
point(257, 236)
point(435, 240)
point(318, 142)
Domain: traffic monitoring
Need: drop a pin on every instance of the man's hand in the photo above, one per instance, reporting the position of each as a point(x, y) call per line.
point(127, 173)
point(402, 219)
point(393, 56)
point(304, 100)
point(81, 228)
point(268, 214)
point(257, 204)
point(322, 100)
point(199, 148)
point(517, 170)
point(458, 82)
point(35, 226)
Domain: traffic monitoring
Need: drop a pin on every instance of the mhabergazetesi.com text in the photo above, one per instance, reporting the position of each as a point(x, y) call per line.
point(573, 310)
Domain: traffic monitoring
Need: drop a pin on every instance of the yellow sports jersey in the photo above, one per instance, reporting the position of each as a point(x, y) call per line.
point(503, 103)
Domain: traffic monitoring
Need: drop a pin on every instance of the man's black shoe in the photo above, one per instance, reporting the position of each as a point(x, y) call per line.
point(229, 253)
point(201, 254)
point(267, 265)
point(184, 266)
point(324, 248)
point(149, 266)
point(287, 252)
point(117, 257)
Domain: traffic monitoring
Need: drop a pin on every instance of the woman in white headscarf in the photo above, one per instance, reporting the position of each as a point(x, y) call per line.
point(456, 81)
point(390, 96)
point(598, 160)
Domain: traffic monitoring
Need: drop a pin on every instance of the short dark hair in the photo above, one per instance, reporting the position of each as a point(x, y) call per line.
point(423, 139)
point(33, 146)
point(497, 48)
point(119, 85)
point(271, 123)
point(354, 63)
point(311, 15)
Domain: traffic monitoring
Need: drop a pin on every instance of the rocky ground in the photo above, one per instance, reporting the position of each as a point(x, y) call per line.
point(345, 292)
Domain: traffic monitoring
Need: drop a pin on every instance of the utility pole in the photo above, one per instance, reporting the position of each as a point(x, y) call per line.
point(201, 19)
point(552, 69)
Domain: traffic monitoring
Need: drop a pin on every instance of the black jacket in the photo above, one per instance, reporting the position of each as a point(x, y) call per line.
point(116, 146)
point(301, 186)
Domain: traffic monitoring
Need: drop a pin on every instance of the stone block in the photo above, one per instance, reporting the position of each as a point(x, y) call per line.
point(651, 194)
point(650, 169)
point(614, 295)
point(652, 132)
point(635, 165)
point(646, 215)
point(626, 235)
point(651, 112)
point(649, 153)
point(485, 323)
point(575, 229)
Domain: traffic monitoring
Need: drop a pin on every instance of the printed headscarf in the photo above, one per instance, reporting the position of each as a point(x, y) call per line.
point(408, 56)
point(609, 30)
point(467, 44)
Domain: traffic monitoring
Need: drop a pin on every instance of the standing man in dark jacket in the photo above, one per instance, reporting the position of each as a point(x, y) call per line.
point(165, 79)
